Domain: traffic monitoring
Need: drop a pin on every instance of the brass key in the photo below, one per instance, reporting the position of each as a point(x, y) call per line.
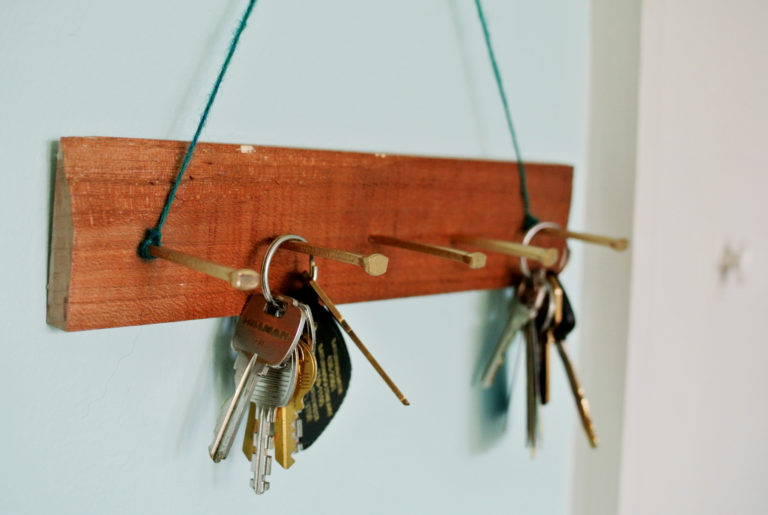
point(251, 428)
point(286, 440)
point(532, 359)
point(531, 344)
point(560, 332)
point(554, 317)
point(287, 417)
point(582, 404)
point(307, 378)
point(265, 340)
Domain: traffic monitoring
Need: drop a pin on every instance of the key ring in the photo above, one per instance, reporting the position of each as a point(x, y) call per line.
point(268, 259)
point(533, 231)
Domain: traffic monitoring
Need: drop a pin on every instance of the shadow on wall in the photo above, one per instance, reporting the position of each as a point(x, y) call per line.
point(223, 359)
point(489, 421)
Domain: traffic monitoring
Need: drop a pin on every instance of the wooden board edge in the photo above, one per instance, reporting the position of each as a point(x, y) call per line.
point(60, 256)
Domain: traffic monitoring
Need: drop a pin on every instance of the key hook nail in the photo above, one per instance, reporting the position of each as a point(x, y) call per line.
point(268, 259)
point(533, 231)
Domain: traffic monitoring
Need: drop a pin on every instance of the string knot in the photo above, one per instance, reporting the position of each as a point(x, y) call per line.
point(151, 237)
point(529, 221)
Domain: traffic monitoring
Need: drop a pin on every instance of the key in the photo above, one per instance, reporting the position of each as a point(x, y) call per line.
point(532, 359)
point(523, 307)
point(276, 389)
point(546, 320)
point(266, 337)
point(287, 422)
point(251, 429)
point(269, 332)
point(531, 347)
point(306, 379)
point(234, 408)
point(286, 430)
point(560, 332)
point(286, 437)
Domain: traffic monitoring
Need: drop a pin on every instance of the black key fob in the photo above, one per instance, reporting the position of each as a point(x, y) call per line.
point(334, 370)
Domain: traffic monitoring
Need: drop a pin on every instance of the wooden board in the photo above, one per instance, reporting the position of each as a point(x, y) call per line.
point(235, 198)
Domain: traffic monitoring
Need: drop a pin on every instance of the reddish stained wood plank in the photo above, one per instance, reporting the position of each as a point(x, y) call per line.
point(235, 198)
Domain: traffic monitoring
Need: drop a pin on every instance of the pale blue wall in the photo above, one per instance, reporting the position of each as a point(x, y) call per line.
point(118, 421)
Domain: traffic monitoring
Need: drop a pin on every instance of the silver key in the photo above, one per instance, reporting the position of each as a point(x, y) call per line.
point(523, 309)
point(269, 331)
point(531, 383)
point(273, 391)
point(266, 337)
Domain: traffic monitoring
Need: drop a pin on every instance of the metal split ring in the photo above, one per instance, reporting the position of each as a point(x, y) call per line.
point(533, 231)
point(551, 305)
point(268, 259)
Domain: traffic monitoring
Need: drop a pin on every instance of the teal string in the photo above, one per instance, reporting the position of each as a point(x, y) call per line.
point(154, 236)
point(529, 220)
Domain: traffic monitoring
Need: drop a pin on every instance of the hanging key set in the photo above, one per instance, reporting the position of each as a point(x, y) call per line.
point(542, 312)
point(276, 366)
point(275, 339)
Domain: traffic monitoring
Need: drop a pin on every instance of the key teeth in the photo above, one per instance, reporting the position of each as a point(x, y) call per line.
point(259, 488)
point(298, 428)
point(215, 456)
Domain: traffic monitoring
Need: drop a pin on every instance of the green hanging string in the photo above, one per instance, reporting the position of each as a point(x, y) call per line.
point(529, 220)
point(154, 236)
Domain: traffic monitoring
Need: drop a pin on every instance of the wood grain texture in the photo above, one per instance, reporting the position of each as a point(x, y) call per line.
point(234, 199)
